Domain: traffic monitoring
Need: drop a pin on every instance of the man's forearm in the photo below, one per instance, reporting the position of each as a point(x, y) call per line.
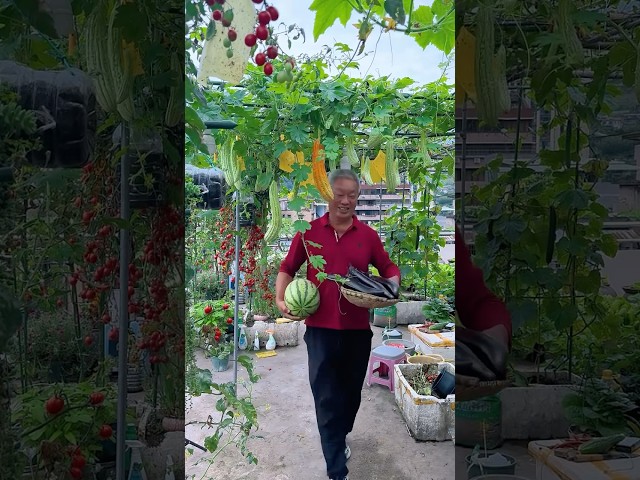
point(282, 281)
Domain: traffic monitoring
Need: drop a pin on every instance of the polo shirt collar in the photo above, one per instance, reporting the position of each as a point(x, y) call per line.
point(324, 221)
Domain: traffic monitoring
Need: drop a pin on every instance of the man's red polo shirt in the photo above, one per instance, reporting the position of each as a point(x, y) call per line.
point(360, 246)
point(478, 307)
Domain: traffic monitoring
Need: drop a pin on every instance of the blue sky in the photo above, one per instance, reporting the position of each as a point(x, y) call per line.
point(393, 54)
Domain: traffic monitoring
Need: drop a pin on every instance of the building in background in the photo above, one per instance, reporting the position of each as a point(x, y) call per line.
point(619, 189)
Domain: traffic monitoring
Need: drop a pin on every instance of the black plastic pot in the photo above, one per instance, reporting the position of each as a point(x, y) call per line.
point(444, 384)
point(65, 107)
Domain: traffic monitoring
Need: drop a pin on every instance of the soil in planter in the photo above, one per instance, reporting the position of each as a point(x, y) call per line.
point(423, 379)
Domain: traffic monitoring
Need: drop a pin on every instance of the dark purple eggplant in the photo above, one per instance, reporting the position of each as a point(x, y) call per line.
point(468, 364)
point(392, 287)
point(486, 349)
point(363, 283)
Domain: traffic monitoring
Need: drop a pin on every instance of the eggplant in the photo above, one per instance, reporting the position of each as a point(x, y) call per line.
point(491, 353)
point(392, 287)
point(467, 363)
point(363, 283)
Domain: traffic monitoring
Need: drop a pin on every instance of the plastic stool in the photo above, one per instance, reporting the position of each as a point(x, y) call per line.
point(386, 357)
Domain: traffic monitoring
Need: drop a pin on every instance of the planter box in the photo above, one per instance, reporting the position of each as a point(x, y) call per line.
point(285, 334)
point(440, 343)
point(535, 412)
point(429, 418)
point(410, 312)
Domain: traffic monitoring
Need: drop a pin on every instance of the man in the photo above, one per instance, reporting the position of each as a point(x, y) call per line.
point(338, 335)
point(478, 308)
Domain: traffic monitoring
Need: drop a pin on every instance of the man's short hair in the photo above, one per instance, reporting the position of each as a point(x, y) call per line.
point(343, 173)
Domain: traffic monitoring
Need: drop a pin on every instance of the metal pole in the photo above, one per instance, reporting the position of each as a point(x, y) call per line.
point(124, 307)
point(236, 296)
point(463, 163)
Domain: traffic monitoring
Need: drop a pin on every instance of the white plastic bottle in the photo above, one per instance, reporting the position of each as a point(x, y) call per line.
point(271, 343)
point(242, 339)
point(256, 342)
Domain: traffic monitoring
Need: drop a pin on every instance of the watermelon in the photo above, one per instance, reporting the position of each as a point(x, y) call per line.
point(302, 297)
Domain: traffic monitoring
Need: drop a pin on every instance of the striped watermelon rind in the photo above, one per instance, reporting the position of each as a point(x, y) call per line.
point(302, 297)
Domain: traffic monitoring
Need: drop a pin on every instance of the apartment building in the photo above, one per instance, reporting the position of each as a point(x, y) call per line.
point(373, 204)
point(619, 189)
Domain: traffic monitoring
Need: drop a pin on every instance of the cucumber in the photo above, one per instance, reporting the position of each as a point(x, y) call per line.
point(438, 326)
point(601, 444)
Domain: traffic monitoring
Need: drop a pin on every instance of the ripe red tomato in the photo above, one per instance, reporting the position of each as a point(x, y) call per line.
point(106, 431)
point(268, 68)
point(78, 461)
point(262, 32)
point(272, 52)
point(225, 306)
point(217, 15)
point(54, 405)
point(260, 60)
point(96, 398)
point(264, 18)
point(232, 34)
point(208, 309)
point(88, 340)
point(114, 334)
point(229, 321)
point(75, 472)
point(273, 12)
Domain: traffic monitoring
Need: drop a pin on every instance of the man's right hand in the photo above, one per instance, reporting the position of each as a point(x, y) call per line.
point(285, 310)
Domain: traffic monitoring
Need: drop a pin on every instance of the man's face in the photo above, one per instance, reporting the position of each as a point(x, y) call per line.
point(345, 198)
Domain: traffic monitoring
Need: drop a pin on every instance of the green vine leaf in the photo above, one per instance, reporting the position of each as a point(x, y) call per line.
point(327, 12)
point(297, 204)
point(317, 261)
point(395, 9)
point(301, 226)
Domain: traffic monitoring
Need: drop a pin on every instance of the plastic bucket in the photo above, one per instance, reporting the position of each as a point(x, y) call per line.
point(409, 347)
point(476, 470)
point(424, 359)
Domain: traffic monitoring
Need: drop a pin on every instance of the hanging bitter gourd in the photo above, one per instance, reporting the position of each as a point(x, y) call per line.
point(391, 173)
point(320, 178)
point(365, 170)
point(175, 105)
point(121, 68)
point(571, 43)
point(273, 229)
point(487, 102)
point(350, 148)
point(423, 149)
point(95, 55)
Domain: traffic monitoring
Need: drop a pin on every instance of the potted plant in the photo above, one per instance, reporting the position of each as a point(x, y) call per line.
point(438, 309)
point(215, 321)
point(65, 426)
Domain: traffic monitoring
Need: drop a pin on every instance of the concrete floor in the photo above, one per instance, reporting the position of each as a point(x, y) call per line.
point(288, 447)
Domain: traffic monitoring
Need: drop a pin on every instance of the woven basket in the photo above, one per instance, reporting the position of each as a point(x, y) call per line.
point(367, 301)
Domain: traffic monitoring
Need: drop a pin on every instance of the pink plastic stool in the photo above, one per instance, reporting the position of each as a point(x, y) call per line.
point(386, 357)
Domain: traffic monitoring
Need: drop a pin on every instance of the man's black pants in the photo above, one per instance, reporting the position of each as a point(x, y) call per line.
point(338, 361)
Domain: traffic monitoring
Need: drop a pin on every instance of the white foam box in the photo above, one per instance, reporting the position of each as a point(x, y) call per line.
point(551, 467)
point(429, 418)
point(440, 343)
